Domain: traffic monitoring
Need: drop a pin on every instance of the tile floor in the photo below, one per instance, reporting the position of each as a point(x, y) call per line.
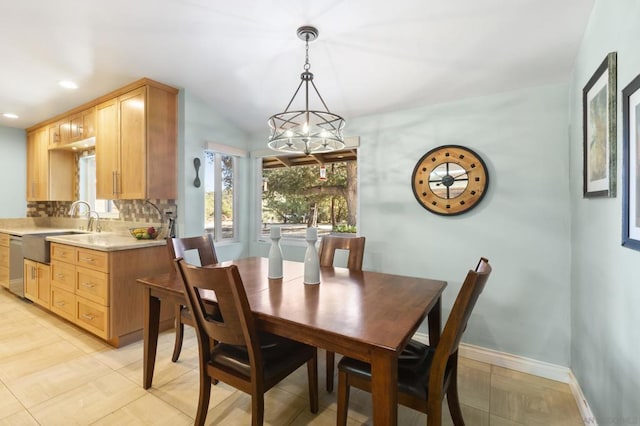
point(53, 373)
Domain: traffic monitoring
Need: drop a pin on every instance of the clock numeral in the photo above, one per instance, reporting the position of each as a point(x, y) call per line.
point(477, 179)
point(461, 156)
point(448, 206)
point(424, 194)
point(421, 182)
point(433, 159)
point(462, 203)
point(434, 203)
point(424, 169)
point(473, 165)
point(446, 154)
point(473, 192)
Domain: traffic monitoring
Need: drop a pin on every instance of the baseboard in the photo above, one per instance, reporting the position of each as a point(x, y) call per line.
point(530, 366)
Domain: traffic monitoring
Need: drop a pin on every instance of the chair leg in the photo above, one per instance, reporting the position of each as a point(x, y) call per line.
point(177, 346)
point(312, 378)
point(203, 399)
point(343, 398)
point(331, 360)
point(452, 397)
point(257, 409)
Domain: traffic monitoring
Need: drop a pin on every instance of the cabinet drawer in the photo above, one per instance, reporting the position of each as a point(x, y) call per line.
point(4, 240)
point(97, 260)
point(63, 252)
point(92, 317)
point(63, 275)
point(92, 285)
point(63, 303)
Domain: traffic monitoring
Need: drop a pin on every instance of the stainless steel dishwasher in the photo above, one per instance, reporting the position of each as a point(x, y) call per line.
point(16, 266)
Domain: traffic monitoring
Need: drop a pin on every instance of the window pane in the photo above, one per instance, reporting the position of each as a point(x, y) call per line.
point(227, 196)
point(296, 197)
point(209, 192)
point(87, 187)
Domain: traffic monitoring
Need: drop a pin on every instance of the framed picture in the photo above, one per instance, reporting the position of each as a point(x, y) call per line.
point(599, 131)
point(631, 165)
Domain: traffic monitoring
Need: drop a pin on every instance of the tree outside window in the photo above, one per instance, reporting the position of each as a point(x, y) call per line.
point(219, 198)
point(323, 195)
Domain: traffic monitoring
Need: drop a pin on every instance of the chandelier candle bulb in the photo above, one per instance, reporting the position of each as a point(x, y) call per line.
point(275, 254)
point(311, 259)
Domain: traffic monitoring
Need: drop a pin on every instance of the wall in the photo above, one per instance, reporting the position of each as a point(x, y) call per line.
point(13, 163)
point(605, 345)
point(199, 126)
point(521, 225)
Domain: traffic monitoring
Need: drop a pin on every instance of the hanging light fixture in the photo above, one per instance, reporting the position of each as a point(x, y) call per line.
point(306, 130)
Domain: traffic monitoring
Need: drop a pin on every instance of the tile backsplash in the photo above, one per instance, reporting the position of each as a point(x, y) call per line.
point(129, 210)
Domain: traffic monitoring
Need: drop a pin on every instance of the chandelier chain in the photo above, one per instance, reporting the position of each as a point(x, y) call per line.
point(307, 65)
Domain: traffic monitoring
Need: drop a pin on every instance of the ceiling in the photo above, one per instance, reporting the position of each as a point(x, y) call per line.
point(244, 58)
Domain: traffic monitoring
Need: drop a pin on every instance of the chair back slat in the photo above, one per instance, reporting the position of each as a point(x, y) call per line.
point(178, 247)
point(331, 243)
point(234, 324)
point(447, 348)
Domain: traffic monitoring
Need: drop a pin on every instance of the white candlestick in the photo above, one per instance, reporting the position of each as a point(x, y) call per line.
point(275, 232)
point(312, 234)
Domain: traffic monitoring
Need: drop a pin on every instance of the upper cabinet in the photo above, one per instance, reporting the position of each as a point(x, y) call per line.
point(135, 136)
point(136, 144)
point(50, 174)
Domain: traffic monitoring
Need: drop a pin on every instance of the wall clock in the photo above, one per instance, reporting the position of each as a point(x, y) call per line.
point(450, 180)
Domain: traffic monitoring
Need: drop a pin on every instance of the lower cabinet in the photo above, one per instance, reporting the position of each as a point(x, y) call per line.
point(97, 290)
point(37, 287)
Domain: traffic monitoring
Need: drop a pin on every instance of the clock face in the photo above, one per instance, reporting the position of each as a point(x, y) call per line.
point(450, 180)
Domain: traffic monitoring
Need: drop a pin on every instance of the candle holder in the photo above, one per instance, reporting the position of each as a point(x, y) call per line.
point(311, 259)
point(275, 254)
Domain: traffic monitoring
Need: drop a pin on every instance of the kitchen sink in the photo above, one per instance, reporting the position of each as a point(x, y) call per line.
point(36, 247)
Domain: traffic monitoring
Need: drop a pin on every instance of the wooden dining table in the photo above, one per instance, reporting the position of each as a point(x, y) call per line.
point(366, 315)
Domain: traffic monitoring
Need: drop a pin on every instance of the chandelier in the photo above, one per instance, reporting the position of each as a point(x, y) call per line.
point(306, 130)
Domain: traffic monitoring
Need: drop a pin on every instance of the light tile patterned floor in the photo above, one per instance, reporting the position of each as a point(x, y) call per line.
point(53, 373)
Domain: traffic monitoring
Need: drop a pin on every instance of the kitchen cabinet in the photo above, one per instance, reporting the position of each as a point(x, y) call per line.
point(97, 290)
point(37, 286)
point(50, 173)
point(38, 164)
point(78, 126)
point(4, 260)
point(136, 144)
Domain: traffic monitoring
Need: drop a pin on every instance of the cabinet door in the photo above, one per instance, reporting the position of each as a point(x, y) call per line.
point(38, 164)
point(88, 128)
point(43, 292)
point(107, 150)
point(55, 139)
point(30, 280)
point(133, 158)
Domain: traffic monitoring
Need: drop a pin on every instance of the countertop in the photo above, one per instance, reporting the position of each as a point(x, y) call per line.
point(105, 241)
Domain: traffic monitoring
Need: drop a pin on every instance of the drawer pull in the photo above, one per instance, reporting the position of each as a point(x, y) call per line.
point(89, 259)
point(88, 317)
point(89, 285)
point(61, 304)
point(60, 275)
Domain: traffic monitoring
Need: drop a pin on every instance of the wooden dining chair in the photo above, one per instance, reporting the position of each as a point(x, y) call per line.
point(328, 247)
point(425, 374)
point(244, 358)
point(178, 247)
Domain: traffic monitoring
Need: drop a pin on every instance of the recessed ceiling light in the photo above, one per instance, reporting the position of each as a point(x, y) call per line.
point(68, 84)
point(9, 115)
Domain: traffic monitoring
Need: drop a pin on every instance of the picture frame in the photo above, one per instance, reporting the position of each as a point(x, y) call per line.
point(631, 165)
point(599, 130)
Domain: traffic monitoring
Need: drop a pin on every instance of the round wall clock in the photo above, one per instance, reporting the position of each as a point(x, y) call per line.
point(450, 180)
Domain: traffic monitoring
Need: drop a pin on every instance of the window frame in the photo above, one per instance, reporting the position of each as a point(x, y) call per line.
point(257, 156)
point(236, 154)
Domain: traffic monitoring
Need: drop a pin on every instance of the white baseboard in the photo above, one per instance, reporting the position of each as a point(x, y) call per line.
point(529, 366)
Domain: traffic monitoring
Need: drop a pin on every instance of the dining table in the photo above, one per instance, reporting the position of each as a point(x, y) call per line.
point(366, 315)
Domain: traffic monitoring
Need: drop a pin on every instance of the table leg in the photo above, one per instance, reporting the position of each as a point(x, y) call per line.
point(435, 323)
point(151, 324)
point(384, 387)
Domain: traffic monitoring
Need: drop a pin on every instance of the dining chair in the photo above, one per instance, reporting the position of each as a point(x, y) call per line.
point(244, 358)
point(426, 374)
point(180, 247)
point(328, 247)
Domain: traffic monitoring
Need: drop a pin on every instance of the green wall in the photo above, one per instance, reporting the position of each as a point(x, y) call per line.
point(605, 344)
point(13, 169)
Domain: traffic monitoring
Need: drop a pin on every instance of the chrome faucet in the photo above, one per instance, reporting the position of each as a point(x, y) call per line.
point(91, 225)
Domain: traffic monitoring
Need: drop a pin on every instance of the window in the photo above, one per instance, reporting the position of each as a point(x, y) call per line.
point(300, 191)
point(87, 187)
point(219, 195)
